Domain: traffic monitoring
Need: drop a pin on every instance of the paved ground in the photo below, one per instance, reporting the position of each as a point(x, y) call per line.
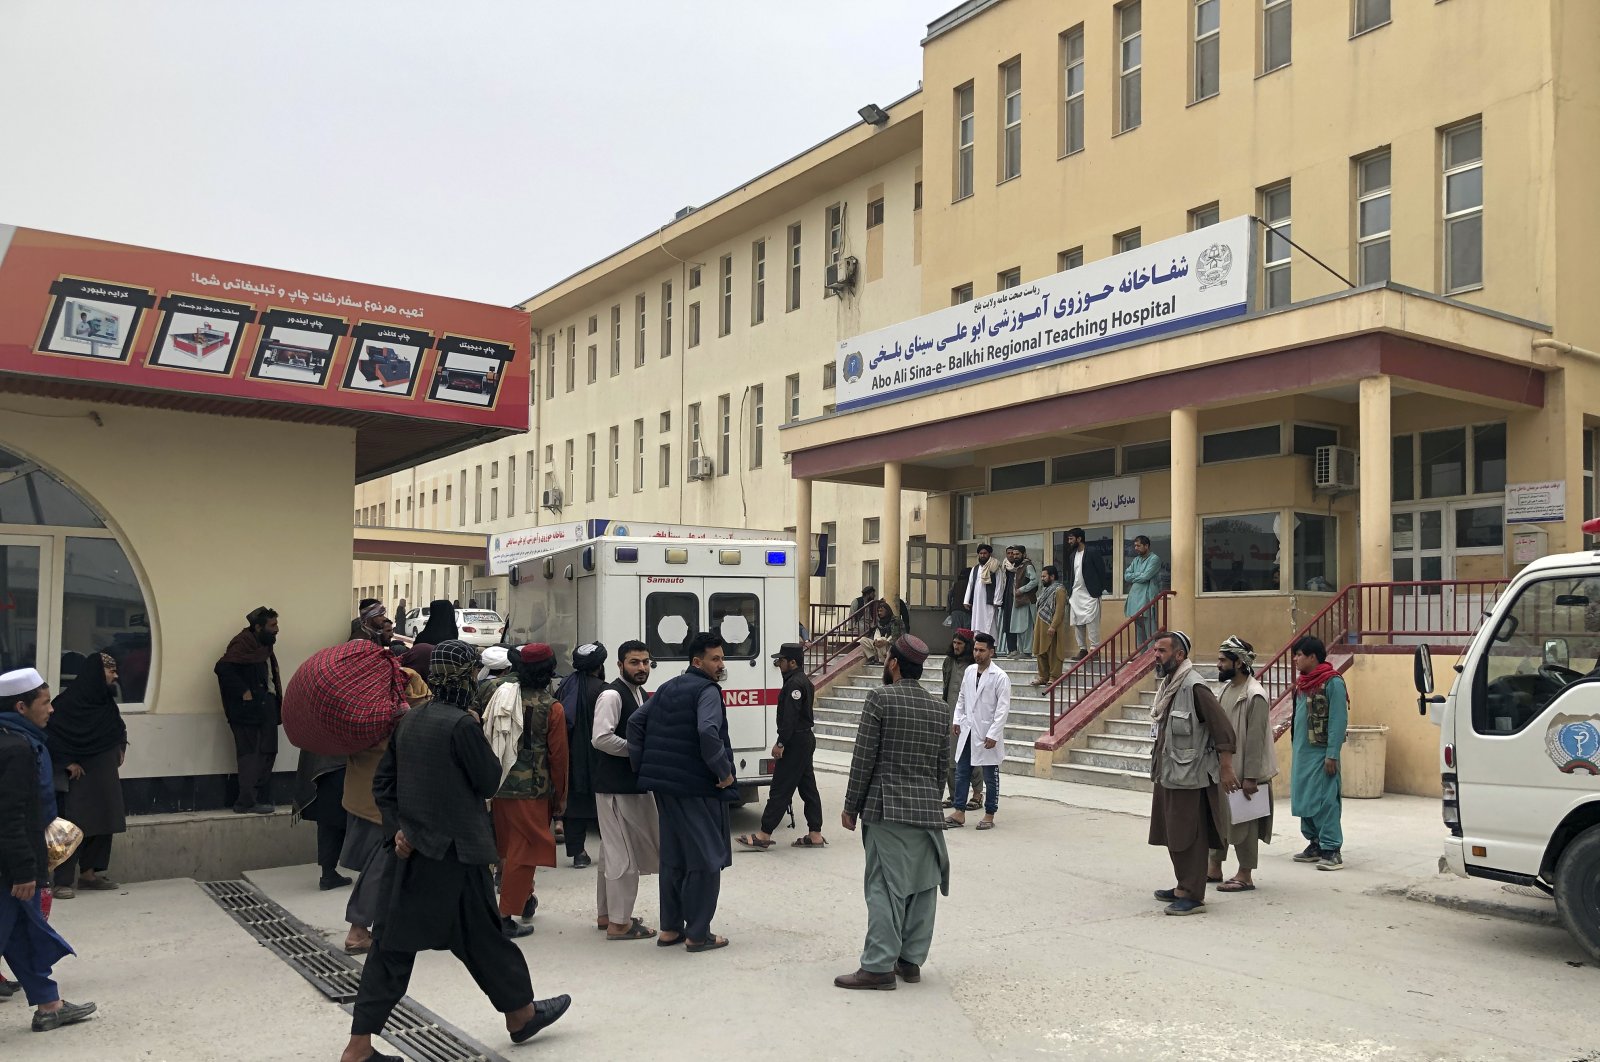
point(1049, 945)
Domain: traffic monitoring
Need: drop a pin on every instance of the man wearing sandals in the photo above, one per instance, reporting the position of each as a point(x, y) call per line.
point(896, 773)
point(1244, 702)
point(630, 838)
point(794, 749)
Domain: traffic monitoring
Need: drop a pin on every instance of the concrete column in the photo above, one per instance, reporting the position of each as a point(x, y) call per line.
point(891, 541)
point(1185, 518)
point(1375, 560)
point(802, 536)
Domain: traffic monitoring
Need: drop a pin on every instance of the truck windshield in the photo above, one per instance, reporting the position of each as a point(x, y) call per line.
point(1546, 641)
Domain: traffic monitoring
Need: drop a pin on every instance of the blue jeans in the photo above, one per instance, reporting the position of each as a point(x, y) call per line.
point(991, 780)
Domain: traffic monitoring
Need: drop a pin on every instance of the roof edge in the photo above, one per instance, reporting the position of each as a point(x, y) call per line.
point(951, 19)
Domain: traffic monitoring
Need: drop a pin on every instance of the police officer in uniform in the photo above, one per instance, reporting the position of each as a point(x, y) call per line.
point(793, 752)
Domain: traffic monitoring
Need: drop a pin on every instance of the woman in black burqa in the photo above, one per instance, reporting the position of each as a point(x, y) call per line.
point(88, 741)
point(441, 625)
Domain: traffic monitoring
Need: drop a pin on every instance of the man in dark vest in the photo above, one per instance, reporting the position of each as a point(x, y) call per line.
point(630, 838)
point(578, 696)
point(431, 788)
point(678, 742)
point(793, 751)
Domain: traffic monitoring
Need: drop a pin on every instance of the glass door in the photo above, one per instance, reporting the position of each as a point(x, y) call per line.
point(1417, 543)
point(28, 604)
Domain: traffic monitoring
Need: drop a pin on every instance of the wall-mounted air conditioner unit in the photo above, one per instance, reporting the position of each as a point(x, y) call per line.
point(551, 500)
point(1334, 468)
point(701, 468)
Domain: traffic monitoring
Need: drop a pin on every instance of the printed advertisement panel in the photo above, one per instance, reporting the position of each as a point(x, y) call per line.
point(79, 309)
point(1187, 281)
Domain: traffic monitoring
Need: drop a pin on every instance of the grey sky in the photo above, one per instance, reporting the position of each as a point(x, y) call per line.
point(477, 149)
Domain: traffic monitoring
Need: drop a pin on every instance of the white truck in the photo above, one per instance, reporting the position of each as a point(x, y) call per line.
point(662, 591)
point(1519, 746)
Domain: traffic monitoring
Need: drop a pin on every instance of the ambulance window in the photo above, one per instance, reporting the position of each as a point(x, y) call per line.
point(670, 620)
point(737, 618)
point(1549, 639)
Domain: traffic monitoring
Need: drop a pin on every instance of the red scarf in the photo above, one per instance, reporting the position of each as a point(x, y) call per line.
point(1314, 679)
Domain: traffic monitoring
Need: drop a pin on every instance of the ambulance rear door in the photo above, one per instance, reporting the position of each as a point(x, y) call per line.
point(735, 611)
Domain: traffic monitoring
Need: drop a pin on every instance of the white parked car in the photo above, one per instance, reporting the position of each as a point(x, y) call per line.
point(478, 626)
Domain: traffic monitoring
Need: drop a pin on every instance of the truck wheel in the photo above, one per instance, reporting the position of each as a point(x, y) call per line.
point(1577, 882)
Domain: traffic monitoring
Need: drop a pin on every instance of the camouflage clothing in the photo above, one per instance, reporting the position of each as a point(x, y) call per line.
point(530, 777)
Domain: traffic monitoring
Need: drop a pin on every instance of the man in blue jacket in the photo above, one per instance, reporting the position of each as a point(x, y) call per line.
point(678, 743)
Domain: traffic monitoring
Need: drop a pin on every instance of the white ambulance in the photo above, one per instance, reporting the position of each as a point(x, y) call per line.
point(663, 591)
point(1520, 744)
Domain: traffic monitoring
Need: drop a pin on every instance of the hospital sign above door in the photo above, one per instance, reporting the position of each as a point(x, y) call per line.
point(83, 310)
point(1189, 280)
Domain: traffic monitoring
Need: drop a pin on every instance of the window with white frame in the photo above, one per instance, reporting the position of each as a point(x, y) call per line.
point(550, 370)
point(614, 480)
point(638, 455)
point(1204, 217)
point(572, 358)
point(830, 375)
point(791, 397)
point(1069, 259)
point(665, 458)
point(1241, 444)
point(1130, 60)
point(1307, 439)
point(694, 431)
point(571, 466)
point(965, 132)
point(1011, 278)
point(639, 339)
point(666, 319)
point(793, 280)
point(1089, 464)
point(1372, 218)
point(758, 282)
point(1146, 457)
point(1072, 82)
point(616, 340)
point(1011, 120)
point(1019, 476)
point(594, 363)
point(588, 483)
point(725, 295)
point(1207, 57)
point(666, 420)
point(835, 247)
point(724, 433)
point(874, 213)
point(694, 277)
point(1369, 14)
point(594, 324)
point(960, 293)
point(1449, 462)
point(693, 339)
point(758, 422)
point(1277, 24)
point(870, 529)
point(1130, 240)
point(1275, 205)
point(1239, 554)
point(1463, 207)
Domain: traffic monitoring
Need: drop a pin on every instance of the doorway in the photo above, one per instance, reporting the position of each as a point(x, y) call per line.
point(27, 627)
point(1453, 544)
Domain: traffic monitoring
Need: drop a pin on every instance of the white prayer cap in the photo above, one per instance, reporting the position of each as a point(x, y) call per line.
point(16, 683)
point(495, 658)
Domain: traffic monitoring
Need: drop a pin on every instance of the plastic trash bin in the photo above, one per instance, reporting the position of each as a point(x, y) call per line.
point(1361, 762)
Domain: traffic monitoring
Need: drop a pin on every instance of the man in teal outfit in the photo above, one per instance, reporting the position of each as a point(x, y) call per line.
point(1321, 714)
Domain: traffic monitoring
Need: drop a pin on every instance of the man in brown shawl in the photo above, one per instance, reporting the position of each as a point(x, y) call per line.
point(252, 691)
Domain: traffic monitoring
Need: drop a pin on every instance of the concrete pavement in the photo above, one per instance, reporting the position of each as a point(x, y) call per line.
point(1049, 945)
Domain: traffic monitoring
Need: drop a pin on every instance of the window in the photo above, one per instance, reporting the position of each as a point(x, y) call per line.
point(793, 281)
point(1444, 462)
point(1239, 553)
point(965, 110)
point(616, 341)
point(1242, 444)
point(1018, 476)
point(1069, 259)
point(1547, 624)
point(1277, 20)
point(1316, 550)
point(835, 247)
point(511, 484)
point(588, 493)
point(1480, 528)
point(830, 374)
point(694, 325)
point(1372, 218)
point(758, 282)
point(694, 431)
point(725, 295)
point(869, 573)
point(1011, 120)
point(1402, 481)
point(1011, 278)
point(791, 397)
point(758, 422)
point(1275, 256)
point(638, 455)
point(960, 294)
point(1207, 49)
point(1489, 458)
point(1099, 540)
point(666, 464)
point(724, 433)
point(670, 620)
point(736, 619)
point(1463, 208)
point(1160, 535)
point(1092, 464)
point(572, 359)
point(571, 467)
point(1370, 14)
point(594, 363)
point(594, 324)
point(916, 194)
point(666, 420)
point(1130, 60)
point(870, 529)
point(1204, 217)
point(494, 503)
point(1307, 437)
point(1147, 457)
point(666, 319)
point(477, 497)
point(102, 605)
point(1072, 70)
point(875, 213)
point(1131, 240)
point(530, 489)
point(638, 330)
point(550, 370)
point(694, 277)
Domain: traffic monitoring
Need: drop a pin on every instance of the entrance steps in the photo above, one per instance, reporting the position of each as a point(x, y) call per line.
point(1115, 749)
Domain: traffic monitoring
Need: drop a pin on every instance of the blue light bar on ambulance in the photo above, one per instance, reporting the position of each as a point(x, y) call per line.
point(626, 555)
point(777, 557)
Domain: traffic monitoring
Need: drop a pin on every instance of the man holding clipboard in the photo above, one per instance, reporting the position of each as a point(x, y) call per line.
point(1244, 701)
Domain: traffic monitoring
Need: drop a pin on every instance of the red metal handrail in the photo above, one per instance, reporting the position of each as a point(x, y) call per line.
point(840, 639)
point(1106, 660)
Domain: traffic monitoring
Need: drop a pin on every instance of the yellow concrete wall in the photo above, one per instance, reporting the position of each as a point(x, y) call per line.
point(218, 515)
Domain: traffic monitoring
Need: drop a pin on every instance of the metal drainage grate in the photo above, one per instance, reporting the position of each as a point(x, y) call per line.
point(414, 1030)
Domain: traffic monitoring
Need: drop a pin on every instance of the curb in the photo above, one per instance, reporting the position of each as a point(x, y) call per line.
point(1512, 912)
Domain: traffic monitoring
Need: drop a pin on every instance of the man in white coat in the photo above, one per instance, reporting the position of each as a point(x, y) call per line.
point(980, 590)
point(980, 731)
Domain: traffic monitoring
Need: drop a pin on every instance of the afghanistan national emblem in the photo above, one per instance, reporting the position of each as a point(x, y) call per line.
point(1574, 744)
point(854, 366)
point(1213, 266)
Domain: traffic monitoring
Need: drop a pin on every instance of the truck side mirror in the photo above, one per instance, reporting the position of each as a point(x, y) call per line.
point(1422, 670)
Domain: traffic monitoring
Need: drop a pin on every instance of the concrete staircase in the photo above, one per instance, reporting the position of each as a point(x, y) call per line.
point(838, 709)
point(1115, 749)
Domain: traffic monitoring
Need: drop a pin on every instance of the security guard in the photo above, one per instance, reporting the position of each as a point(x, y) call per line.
point(794, 750)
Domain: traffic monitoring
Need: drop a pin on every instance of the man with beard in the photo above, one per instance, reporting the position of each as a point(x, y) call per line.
point(252, 690)
point(896, 772)
point(979, 598)
point(630, 836)
point(1018, 591)
point(88, 741)
point(1085, 577)
point(1193, 753)
point(431, 788)
point(794, 749)
point(1049, 627)
point(678, 742)
point(1244, 701)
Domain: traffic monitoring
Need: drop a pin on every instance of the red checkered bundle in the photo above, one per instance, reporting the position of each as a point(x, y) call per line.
point(344, 699)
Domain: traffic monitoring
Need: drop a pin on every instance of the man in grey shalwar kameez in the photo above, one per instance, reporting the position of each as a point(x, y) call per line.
point(1023, 581)
point(630, 838)
point(896, 772)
